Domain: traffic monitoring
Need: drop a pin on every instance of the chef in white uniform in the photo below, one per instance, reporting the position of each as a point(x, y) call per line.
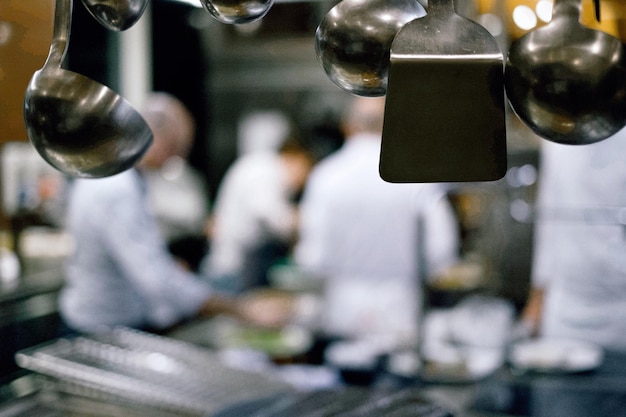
point(371, 240)
point(579, 272)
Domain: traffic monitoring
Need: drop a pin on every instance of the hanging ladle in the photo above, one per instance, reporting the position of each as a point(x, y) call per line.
point(116, 15)
point(353, 41)
point(568, 82)
point(79, 126)
point(237, 11)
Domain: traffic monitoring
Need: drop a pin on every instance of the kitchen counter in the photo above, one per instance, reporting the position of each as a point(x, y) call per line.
point(511, 393)
point(28, 312)
point(41, 281)
point(506, 393)
point(597, 393)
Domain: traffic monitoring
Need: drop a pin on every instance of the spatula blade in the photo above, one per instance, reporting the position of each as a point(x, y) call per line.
point(444, 111)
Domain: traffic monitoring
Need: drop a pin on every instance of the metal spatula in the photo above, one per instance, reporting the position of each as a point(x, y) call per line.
point(444, 112)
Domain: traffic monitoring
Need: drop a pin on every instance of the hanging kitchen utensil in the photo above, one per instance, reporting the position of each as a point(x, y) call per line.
point(353, 40)
point(77, 125)
point(116, 15)
point(444, 112)
point(237, 11)
point(568, 82)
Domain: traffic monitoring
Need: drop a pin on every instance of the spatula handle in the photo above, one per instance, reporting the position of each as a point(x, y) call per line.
point(437, 6)
point(569, 8)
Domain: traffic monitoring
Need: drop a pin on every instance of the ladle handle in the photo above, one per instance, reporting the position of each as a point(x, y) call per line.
point(61, 33)
point(441, 6)
point(567, 8)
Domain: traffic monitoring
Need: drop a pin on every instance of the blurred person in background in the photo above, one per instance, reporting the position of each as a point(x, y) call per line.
point(579, 264)
point(255, 216)
point(177, 194)
point(371, 240)
point(121, 272)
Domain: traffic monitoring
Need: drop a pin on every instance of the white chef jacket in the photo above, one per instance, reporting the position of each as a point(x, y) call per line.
point(252, 203)
point(580, 241)
point(177, 195)
point(121, 272)
point(355, 226)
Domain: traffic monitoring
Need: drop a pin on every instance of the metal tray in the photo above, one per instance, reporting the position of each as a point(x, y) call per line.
point(134, 369)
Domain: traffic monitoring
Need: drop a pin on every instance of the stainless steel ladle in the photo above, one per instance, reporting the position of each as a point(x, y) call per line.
point(354, 38)
point(79, 126)
point(237, 11)
point(116, 15)
point(568, 82)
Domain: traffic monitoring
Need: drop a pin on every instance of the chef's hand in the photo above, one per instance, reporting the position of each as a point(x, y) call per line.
point(532, 312)
point(218, 304)
point(266, 308)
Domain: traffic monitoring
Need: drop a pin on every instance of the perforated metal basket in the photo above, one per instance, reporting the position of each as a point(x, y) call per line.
point(137, 372)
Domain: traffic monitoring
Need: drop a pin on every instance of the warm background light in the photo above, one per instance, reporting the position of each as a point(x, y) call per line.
point(521, 16)
point(524, 17)
point(25, 33)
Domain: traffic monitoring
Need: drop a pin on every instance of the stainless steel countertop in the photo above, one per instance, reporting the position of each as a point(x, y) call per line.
point(33, 294)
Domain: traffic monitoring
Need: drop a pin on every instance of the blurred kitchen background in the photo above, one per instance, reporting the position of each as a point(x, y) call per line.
point(231, 76)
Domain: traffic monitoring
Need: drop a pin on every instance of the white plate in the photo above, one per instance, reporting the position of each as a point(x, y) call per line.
point(555, 355)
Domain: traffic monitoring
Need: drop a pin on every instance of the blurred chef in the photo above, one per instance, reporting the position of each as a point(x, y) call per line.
point(256, 213)
point(177, 193)
point(579, 270)
point(372, 240)
point(121, 272)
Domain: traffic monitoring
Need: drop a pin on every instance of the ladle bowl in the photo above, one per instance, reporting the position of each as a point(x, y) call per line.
point(568, 82)
point(237, 11)
point(79, 126)
point(116, 15)
point(354, 38)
